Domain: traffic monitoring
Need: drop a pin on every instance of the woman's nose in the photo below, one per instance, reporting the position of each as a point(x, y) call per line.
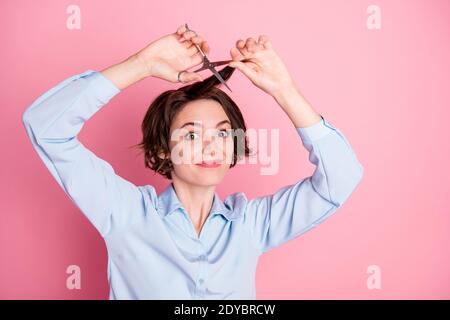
point(209, 147)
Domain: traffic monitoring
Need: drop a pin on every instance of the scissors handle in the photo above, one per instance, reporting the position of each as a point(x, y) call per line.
point(199, 49)
point(207, 64)
point(196, 45)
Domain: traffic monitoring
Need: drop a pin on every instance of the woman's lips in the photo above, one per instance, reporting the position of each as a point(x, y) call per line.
point(208, 165)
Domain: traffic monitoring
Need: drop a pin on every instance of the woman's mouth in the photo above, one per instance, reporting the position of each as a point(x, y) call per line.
point(208, 164)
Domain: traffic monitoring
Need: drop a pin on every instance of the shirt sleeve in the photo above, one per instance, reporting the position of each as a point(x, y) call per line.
point(297, 208)
point(52, 123)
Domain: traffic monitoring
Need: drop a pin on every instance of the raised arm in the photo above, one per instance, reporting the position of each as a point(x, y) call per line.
point(295, 209)
point(54, 120)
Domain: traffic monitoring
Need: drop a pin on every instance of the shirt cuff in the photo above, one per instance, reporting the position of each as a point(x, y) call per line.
point(103, 88)
point(315, 131)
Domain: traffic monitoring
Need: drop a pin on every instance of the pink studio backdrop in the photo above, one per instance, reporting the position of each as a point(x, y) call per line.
point(387, 90)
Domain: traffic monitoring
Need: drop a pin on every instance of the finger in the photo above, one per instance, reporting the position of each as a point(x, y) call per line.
point(187, 44)
point(240, 45)
point(205, 47)
point(197, 58)
point(187, 77)
point(259, 44)
point(265, 41)
point(192, 50)
point(249, 72)
point(251, 45)
point(186, 36)
point(236, 54)
point(189, 34)
point(181, 29)
point(197, 39)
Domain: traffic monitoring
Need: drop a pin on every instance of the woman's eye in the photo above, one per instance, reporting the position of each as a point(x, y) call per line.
point(191, 135)
point(224, 133)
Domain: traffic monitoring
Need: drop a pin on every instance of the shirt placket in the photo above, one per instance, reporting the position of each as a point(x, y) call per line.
point(203, 264)
point(202, 258)
point(200, 284)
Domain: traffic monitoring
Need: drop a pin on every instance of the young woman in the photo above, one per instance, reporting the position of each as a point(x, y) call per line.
point(185, 243)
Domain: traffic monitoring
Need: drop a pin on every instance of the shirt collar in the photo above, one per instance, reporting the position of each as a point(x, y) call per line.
point(168, 202)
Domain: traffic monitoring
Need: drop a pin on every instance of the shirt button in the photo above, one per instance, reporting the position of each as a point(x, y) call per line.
point(201, 281)
point(202, 257)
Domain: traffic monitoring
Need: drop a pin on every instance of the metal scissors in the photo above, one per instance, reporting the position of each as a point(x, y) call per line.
point(210, 65)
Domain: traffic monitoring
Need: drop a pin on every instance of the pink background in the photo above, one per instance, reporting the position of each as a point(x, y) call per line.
point(387, 90)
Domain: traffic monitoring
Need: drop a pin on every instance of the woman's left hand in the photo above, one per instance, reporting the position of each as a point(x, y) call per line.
point(262, 65)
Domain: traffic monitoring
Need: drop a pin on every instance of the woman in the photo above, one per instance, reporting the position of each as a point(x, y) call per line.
point(185, 243)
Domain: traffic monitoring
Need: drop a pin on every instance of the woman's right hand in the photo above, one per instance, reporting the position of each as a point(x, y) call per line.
point(165, 57)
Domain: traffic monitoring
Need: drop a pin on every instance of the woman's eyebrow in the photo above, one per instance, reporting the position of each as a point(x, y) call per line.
point(198, 124)
point(222, 122)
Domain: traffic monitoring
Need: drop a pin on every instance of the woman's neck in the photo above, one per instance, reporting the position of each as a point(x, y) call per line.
point(197, 201)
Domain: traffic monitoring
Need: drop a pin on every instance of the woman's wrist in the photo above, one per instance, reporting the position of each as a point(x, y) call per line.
point(298, 109)
point(285, 93)
point(144, 64)
point(127, 72)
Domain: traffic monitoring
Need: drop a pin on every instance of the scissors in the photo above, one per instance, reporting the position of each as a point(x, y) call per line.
point(210, 65)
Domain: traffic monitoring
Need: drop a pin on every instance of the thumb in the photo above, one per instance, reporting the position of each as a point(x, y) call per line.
point(186, 77)
point(249, 72)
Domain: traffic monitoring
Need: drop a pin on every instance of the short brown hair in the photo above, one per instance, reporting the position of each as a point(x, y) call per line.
point(158, 119)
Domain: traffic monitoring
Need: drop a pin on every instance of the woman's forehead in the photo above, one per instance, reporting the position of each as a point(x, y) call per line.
point(206, 113)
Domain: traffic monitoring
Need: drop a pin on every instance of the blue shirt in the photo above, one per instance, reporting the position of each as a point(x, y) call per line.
point(153, 249)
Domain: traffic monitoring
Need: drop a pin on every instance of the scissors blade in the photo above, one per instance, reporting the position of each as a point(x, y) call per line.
point(219, 63)
point(206, 64)
point(218, 76)
point(195, 44)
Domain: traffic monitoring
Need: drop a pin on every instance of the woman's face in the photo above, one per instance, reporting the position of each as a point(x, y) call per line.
point(201, 143)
